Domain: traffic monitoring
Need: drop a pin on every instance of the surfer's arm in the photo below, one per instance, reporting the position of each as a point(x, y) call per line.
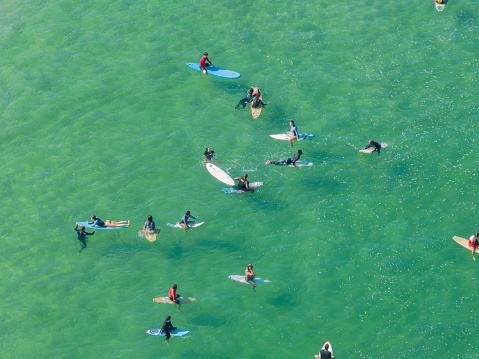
point(193, 217)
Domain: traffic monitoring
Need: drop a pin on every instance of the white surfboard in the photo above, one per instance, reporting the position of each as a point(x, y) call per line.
point(301, 164)
point(371, 149)
point(440, 7)
point(330, 349)
point(178, 225)
point(286, 137)
point(242, 279)
point(219, 174)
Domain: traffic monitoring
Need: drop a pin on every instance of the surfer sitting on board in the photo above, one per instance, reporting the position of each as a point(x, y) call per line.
point(184, 220)
point(167, 327)
point(325, 353)
point(203, 64)
point(149, 224)
point(173, 296)
point(98, 222)
point(248, 98)
point(293, 132)
point(249, 275)
point(243, 183)
point(257, 102)
point(287, 161)
point(371, 144)
point(82, 236)
point(473, 243)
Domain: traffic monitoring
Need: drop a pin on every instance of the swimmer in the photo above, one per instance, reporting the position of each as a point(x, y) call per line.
point(287, 161)
point(98, 222)
point(249, 275)
point(82, 236)
point(209, 155)
point(247, 99)
point(243, 183)
point(203, 64)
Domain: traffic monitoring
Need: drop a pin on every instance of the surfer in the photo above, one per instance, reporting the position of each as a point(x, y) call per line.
point(257, 102)
point(167, 328)
point(375, 145)
point(98, 222)
point(325, 353)
point(173, 296)
point(249, 275)
point(243, 183)
point(184, 220)
point(203, 64)
point(149, 224)
point(82, 236)
point(287, 161)
point(441, 2)
point(293, 132)
point(247, 99)
point(209, 155)
point(474, 243)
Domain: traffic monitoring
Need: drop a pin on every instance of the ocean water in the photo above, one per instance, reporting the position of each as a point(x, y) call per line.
point(101, 116)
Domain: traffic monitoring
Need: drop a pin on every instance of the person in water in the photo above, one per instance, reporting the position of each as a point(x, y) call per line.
point(325, 353)
point(209, 155)
point(166, 328)
point(98, 222)
point(205, 63)
point(249, 275)
point(293, 132)
point(82, 236)
point(149, 224)
point(243, 184)
point(247, 99)
point(257, 102)
point(474, 243)
point(173, 296)
point(441, 1)
point(185, 223)
point(287, 161)
point(375, 145)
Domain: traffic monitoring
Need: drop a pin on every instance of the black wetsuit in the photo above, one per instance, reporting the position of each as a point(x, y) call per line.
point(166, 328)
point(245, 100)
point(287, 161)
point(209, 155)
point(377, 147)
point(325, 354)
point(82, 236)
point(258, 103)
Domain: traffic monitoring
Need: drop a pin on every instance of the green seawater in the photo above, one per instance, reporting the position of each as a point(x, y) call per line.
point(100, 115)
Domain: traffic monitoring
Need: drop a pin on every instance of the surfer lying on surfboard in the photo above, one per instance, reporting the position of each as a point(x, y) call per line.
point(98, 222)
point(287, 161)
point(203, 64)
point(371, 144)
point(243, 184)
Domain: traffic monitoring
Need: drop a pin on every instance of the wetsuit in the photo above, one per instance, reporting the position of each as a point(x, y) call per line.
point(209, 155)
point(173, 296)
point(473, 241)
point(325, 354)
point(149, 226)
point(377, 147)
point(287, 161)
point(82, 235)
point(294, 131)
point(98, 222)
point(245, 100)
point(166, 328)
point(258, 103)
point(184, 220)
point(242, 183)
point(203, 63)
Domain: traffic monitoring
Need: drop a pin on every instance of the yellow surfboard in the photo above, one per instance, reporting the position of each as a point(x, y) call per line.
point(151, 236)
point(167, 300)
point(256, 111)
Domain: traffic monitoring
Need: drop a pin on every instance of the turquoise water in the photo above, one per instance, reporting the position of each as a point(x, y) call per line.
point(101, 116)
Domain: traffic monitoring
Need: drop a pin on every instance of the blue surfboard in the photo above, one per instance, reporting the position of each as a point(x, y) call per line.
point(216, 71)
point(176, 332)
point(89, 225)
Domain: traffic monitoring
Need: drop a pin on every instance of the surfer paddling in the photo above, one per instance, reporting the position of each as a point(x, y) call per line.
point(205, 63)
point(375, 145)
point(249, 275)
point(99, 223)
point(243, 183)
point(287, 161)
point(474, 243)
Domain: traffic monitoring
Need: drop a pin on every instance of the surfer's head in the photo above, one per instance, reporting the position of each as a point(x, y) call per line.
point(208, 149)
point(93, 218)
point(326, 346)
point(250, 266)
point(82, 228)
point(245, 176)
point(205, 53)
point(370, 143)
point(291, 122)
point(300, 152)
point(150, 218)
point(174, 286)
point(188, 213)
point(168, 318)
